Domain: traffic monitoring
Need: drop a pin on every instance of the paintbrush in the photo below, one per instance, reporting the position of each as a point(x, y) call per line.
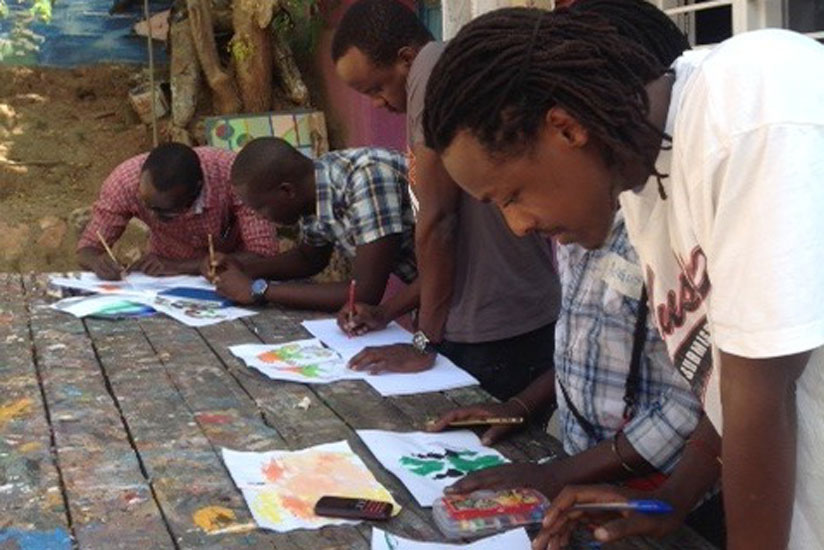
point(492, 421)
point(109, 252)
point(211, 257)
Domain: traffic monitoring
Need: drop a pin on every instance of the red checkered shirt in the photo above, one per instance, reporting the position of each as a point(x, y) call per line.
point(218, 210)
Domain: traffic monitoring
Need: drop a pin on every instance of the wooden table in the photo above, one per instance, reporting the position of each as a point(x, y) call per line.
point(110, 432)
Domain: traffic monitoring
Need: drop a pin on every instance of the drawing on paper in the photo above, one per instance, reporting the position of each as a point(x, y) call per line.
point(296, 353)
point(282, 487)
point(449, 463)
point(196, 309)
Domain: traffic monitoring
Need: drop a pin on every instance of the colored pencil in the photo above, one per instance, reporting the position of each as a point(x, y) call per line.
point(108, 250)
point(649, 507)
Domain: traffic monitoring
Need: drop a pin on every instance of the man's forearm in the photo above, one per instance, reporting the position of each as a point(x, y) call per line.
point(435, 248)
point(315, 296)
point(601, 464)
point(404, 301)
point(759, 447)
point(291, 264)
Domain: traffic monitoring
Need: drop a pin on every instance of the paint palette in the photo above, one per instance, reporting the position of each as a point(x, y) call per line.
point(485, 512)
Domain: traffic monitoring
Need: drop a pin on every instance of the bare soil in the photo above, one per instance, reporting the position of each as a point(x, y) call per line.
point(61, 132)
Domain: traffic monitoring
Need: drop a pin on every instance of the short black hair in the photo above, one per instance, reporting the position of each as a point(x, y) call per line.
point(172, 165)
point(267, 162)
point(378, 28)
point(504, 70)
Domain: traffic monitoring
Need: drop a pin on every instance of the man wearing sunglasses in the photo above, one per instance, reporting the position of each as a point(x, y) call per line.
point(183, 195)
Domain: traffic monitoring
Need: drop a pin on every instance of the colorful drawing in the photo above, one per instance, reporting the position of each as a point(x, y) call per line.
point(450, 463)
point(303, 129)
point(516, 539)
point(300, 361)
point(282, 487)
point(427, 463)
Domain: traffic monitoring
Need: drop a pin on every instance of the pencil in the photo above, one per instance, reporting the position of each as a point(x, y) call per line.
point(496, 421)
point(108, 250)
point(211, 256)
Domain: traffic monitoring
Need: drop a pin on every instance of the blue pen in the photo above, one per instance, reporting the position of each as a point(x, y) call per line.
point(649, 507)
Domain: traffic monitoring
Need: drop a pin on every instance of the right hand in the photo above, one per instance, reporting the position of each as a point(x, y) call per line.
point(365, 318)
point(106, 268)
point(486, 410)
point(561, 520)
point(210, 269)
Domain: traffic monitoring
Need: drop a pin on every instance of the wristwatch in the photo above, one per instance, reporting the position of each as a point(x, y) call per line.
point(259, 288)
point(422, 344)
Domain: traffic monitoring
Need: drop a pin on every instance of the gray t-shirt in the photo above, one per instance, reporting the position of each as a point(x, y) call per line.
point(505, 285)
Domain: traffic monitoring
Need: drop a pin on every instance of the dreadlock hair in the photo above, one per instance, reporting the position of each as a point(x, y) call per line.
point(504, 70)
point(642, 22)
point(378, 28)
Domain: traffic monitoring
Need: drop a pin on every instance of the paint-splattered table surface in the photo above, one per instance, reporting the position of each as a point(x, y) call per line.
point(110, 432)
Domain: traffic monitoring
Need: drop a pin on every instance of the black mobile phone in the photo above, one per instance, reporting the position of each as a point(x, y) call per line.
point(353, 508)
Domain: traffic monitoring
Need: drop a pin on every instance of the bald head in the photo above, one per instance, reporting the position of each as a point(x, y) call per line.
point(274, 179)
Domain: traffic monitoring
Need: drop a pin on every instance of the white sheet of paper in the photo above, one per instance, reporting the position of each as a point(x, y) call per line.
point(426, 463)
point(444, 374)
point(516, 539)
point(83, 306)
point(194, 313)
point(307, 361)
point(282, 487)
point(134, 283)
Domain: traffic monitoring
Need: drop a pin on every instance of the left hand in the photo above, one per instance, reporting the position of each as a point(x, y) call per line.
point(510, 476)
point(394, 358)
point(154, 266)
point(232, 283)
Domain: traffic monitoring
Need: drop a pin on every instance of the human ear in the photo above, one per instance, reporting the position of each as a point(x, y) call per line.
point(288, 188)
point(406, 55)
point(568, 128)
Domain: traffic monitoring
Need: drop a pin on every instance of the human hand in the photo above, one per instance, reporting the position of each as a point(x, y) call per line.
point(365, 318)
point(106, 268)
point(561, 519)
point(154, 266)
point(211, 268)
point(394, 358)
point(232, 283)
point(541, 477)
point(485, 410)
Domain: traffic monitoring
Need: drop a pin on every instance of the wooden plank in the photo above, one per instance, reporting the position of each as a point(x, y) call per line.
point(31, 499)
point(199, 501)
point(104, 483)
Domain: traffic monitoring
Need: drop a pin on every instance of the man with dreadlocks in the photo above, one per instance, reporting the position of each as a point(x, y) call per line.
point(494, 313)
point(556, 118)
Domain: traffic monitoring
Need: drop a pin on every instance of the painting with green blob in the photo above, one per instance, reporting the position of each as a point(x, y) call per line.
point(302, 128)
point(56, 539)
point(307, 361)
point(427, 463)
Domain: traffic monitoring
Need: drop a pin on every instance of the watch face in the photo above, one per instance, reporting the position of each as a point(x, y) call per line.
point(259, 287)
point(419, 340)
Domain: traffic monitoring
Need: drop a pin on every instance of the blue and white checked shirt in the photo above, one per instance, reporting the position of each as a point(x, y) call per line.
point(593, 347)
point(362, 196)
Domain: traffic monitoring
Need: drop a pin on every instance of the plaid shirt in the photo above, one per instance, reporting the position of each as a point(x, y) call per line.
point(362, 196)
point(217, 210)
point(593, 346)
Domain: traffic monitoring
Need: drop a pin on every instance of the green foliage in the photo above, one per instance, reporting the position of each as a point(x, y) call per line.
point(20, 42)
point(302, 22)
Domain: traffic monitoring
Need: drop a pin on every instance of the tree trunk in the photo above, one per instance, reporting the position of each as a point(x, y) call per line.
point(184, 71)
point(290, 77)
point(252, 52)
point(225, 95)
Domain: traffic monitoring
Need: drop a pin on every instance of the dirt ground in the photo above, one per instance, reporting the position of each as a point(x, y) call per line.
point(61, 132)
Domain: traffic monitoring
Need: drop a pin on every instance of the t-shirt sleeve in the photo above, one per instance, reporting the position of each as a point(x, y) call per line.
point(761, 225)
point(416, 91)
point(113, 209)
point(376, 202)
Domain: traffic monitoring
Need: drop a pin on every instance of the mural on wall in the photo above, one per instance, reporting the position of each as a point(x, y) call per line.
point(79, 32)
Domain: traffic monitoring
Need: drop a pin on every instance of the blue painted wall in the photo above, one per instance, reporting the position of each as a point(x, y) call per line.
point(81, 33)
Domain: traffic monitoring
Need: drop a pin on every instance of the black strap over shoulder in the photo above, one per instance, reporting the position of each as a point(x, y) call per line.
point(633, 381)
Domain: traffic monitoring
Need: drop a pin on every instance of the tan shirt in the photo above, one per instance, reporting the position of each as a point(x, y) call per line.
point(504, 286)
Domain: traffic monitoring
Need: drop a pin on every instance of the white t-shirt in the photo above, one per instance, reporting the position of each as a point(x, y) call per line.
point(734, 257)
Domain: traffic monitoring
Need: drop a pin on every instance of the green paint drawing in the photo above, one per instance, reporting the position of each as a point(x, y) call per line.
point(448, 464)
